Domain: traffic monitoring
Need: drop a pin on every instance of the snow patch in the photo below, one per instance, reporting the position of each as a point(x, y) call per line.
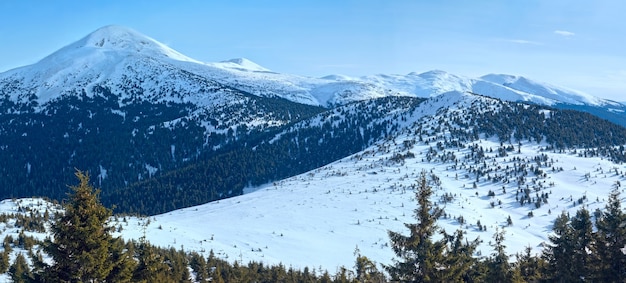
point(151, 170)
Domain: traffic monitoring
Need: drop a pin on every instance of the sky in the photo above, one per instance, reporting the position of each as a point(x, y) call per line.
point(570, 43)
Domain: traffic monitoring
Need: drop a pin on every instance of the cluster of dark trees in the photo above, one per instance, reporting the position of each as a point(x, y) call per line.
point(562, 129)
point(576, 253)
point(154, 157)
point(300, 148)
point(124, 142)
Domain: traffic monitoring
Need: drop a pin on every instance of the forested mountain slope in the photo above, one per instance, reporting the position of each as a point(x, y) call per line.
point(488, 174)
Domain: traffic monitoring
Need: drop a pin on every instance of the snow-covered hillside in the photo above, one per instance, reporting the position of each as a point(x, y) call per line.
point(320, 217)
point(18, 225)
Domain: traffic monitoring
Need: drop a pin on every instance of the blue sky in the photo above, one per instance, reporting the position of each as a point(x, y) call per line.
point(576, 44)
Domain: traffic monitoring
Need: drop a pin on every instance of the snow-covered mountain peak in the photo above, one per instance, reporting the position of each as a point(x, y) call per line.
point(431, 74)
point(435, 82)
point(242, 64)
point(118, 39)
point(337, 77)
point(545, 90)
point(502, 79)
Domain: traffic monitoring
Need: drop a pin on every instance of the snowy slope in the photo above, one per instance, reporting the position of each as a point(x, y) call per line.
point(29, 207)
point(241, 64)
point(320, 217)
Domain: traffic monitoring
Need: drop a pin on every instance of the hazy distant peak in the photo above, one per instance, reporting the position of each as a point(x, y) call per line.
point(546, 90)
point(337, 77)
point(500, 78)
point(433, 73)
point(243, 64)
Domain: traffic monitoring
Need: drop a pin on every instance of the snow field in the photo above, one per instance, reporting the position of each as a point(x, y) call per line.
point(317, 219)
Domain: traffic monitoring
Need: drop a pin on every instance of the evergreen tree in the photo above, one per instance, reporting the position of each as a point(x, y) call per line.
point(199, 265)
point(38, 265)
point(122, 260)
point(529, 266)
point(499, 268)
point(610, 240)
point(343, 276)
point(583, 253)
point(151, 266)
point(559, 265)
point(366, 271)
point(570, 256)
point(325, 278)
point(82, 246)
point(459, 260)
point(4, 261)
point(217, 276)
point(422, 259)
point(19, 270)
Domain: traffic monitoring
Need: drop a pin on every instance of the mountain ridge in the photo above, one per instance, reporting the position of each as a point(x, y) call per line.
point(84, 54)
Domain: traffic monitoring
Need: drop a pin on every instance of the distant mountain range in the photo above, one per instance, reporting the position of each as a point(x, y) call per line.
point(112, 54)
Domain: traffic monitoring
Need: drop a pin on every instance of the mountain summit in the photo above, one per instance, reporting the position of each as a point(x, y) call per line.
point(242, 64)
point(546, 90)
point(121, 39)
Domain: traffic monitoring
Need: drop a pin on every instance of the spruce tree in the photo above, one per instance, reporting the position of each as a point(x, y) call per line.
point(19, 270)
point(529, 266)
point(565, 261)
point(459, 260)
point(584, 254)
point(419, 256)
point(557, 253)
point(122, 260)
point(4, 261)
point(81, 248)
point(610, 240)
point(38, 265)
point(422, 259)
point(199, 265)
point(151, 266)
point(366, 271)
point(498, 267)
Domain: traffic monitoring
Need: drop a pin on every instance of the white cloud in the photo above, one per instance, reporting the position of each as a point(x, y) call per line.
point(564, 33)
point(523, 41)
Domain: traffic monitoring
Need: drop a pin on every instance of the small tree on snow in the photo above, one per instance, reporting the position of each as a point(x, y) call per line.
point(422, 259)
